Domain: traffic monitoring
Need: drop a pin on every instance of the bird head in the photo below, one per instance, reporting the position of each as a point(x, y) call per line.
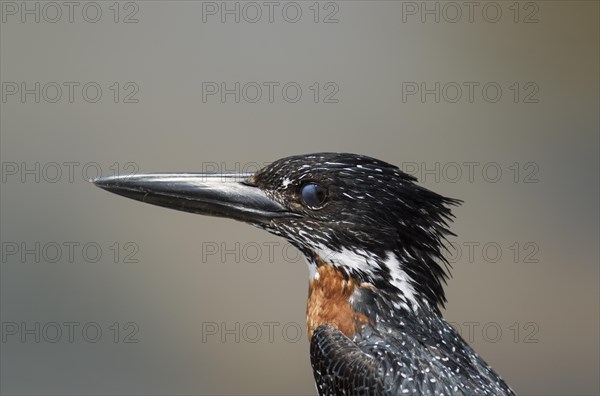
point(364, 217)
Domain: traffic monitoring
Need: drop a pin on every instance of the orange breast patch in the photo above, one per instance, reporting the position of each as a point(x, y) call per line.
point(328, 295)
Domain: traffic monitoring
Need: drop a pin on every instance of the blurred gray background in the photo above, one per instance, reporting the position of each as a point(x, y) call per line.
point(195, 306)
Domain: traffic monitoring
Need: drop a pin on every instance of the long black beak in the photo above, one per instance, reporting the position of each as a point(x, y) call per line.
point(224, 195)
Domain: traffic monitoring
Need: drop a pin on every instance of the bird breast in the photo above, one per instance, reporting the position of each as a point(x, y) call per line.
point(328, 301)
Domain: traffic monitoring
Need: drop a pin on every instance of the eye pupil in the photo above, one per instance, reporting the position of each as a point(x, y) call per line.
point(313, 195)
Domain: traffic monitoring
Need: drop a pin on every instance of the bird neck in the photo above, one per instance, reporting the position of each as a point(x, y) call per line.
point(329, 301)
point(348, 303)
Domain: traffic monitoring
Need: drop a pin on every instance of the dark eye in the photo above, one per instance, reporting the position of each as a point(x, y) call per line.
point(313, 195)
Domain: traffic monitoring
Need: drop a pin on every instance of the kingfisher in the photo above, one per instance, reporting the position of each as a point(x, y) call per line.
point(374, 241)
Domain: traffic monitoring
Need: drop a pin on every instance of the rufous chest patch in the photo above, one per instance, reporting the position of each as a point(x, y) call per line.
point(328, 301)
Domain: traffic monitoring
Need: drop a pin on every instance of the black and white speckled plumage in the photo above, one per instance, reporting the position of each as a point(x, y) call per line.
point(416, 354)
point(377, 224)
